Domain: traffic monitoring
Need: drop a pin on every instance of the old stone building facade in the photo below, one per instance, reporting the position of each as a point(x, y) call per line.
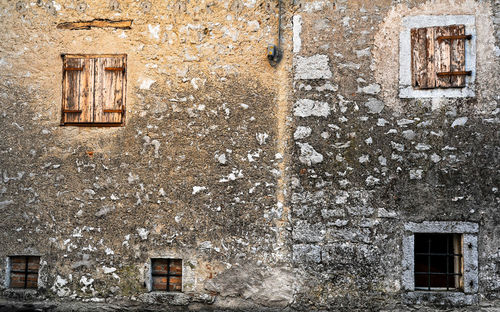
point(151, 157)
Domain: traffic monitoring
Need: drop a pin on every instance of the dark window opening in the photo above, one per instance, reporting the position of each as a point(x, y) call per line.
point(438, 261)
point(166, 274)
point(24, 271)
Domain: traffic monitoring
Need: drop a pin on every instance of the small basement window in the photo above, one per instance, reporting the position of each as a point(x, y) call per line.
point(438, 261)
point(94, 88)
point(166, 274)
point(24, 271)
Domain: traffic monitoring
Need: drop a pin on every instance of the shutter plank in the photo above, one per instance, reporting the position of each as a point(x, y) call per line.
point(443, 57)
point(458, 56)
point(99, 100)
point(109, 90)
point(418, 58)
point(71, 90)
point(431, 56)
point(87, 91)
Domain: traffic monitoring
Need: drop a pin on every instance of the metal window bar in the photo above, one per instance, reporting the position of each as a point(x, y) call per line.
point(447, 255)
point(167, 275)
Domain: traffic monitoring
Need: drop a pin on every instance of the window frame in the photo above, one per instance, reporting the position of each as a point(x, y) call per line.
point(467, 295)
point(406, 89)
point(168, 275)
point(9, 272)
point(124, 91)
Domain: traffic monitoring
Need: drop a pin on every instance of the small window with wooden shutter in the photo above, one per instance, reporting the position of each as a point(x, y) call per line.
point(94, 88)
point(438, 57)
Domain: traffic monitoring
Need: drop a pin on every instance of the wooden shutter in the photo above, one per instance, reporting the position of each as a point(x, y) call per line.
point(438, 57)
point(78, 93)
point(109, 106)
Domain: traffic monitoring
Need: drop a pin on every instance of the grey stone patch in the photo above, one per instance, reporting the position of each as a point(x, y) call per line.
point(5, 203)
point(308, 155)
point(440, 298)
point(305, 232)
point(302, 132)
point(86, 262)
point(332, 213)
point(104, 211)
point(374, 106)
point(416, 174)
point(221, 158)
point(308, 108)
point(422, 147)
point(143, 233)
point(370, 89)
point(313, 67)
point(304, 253)
point(442, 227)
point(267, 286)
point(408, 134)
point(297, 29)
point(175, 299)
point(459, 122)
point(384, 213)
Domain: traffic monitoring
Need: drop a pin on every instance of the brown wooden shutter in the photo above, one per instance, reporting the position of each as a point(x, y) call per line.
point(438, 57)
point(78, 93)
point(109, 106)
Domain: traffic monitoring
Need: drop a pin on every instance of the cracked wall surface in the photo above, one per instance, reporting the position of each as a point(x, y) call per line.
point(279, 188)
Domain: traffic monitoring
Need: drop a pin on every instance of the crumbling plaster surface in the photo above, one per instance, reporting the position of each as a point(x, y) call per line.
point(366, 162)
point(281, 189)
point(196, 172)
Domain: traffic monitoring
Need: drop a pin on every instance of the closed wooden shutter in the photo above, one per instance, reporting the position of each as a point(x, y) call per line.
point(109, 89)
point(438, 57)
point(78, 90)
point(94, 88)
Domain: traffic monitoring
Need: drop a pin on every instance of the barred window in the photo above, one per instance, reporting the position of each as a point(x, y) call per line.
point(438, 261)
point(166, 274)
point(24, 271)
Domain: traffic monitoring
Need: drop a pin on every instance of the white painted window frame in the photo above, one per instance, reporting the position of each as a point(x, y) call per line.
point(468, 296)
point(405, 87)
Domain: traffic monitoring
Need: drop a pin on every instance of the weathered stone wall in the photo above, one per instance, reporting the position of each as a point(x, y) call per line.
point(194, 172)
point(366, 161)
point(278, 187)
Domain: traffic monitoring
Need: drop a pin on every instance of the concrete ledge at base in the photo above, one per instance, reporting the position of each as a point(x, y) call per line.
point(175, 298)
point(442, 298)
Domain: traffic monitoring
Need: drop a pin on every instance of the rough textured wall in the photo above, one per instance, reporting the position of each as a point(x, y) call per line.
point(194, 172)
point(202, 169)
point(366, 162)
